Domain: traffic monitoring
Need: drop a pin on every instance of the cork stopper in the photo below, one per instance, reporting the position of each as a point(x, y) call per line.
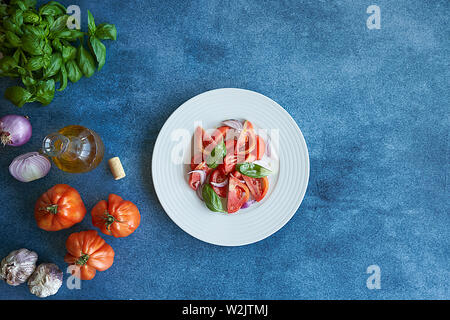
point(116, 168)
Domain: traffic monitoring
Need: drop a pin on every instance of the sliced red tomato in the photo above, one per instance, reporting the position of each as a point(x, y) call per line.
point(237, 174)
point(220, 133)
point(218, 176)
point(195, 177)
point(217, 136)
point(247, 139)
point(252, 155)
point(260, 147)
point(238, 194)
point(257, 186)
point(231, 145)
point(258, 152)
point(229, 163)
point(193, 164)
point(201, 142)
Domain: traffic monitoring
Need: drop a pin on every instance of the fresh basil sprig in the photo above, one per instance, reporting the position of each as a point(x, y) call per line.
point(40, 49)
point(253, 170)
point(212, 200)
point(217, 154)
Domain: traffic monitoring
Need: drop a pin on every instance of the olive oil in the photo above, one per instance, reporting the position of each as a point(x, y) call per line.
point(74, 149)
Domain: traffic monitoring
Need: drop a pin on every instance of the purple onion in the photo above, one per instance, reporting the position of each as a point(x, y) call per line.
point(268, 147)
point(29, 166)
point(248, 204)
point(235, 124)
point(15, 130)
point(219, 184)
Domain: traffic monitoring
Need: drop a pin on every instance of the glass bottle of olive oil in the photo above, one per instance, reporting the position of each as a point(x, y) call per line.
point(74, 149)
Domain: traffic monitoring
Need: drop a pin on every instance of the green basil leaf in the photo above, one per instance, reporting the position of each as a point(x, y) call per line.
point(56, 4)
point(28, 81)
point(19, 3)
point(36, 31)
point(56, 43)
point(17, 95)
point(17, 18)
point(54, 66)
point(91, 23)
point(99, 50)
point(217, 154)
point(31, 17)
point(85, 61)
point(70, 35)
point(11, 26)
point(52, 9)
point(252, 170)
point(3, 10)
point(63, 75)
point(106, 31)
point(212, 200)
point(13, 39)
point(26, 4)
point(32, 45)
point(68, 53)
point(7, 64)
point(73, 71)
point(47, 48)
point(35, 63)
point(59, 24)
point(50, 20)
point(45, 91)
point(22, 71)
point(16, 55)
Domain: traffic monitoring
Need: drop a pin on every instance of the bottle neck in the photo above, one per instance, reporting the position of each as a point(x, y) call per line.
point(55, 144)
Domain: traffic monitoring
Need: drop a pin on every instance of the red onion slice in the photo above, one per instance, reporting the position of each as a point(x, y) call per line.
point(199, 192)
point(235, 124)
point(219, 184)
point(202, 175)
point(248, 204)
point(268, 147)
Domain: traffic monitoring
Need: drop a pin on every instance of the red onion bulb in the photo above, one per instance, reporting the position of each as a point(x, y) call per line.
point(15, 130)
point(29, 166)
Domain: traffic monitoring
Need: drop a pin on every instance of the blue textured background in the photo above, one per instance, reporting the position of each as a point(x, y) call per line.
point(373, 106)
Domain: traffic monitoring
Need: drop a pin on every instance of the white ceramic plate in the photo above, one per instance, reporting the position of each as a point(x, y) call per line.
point(172, 154)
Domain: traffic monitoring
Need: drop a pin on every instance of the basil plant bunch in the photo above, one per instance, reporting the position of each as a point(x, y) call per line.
point(39, 48)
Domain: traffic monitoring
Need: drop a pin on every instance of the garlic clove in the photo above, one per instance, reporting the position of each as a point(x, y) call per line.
point(46, 280)
point(18, 266)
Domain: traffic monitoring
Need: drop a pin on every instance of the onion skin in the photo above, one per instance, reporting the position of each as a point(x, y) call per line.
point(15, 130)
point(29, 167)
point(248, 204)
point(235, 124)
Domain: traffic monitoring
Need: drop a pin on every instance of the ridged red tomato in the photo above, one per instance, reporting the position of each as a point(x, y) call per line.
point(116, 217)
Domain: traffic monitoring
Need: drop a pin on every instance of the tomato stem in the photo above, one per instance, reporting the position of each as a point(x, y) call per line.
point(52, 209)
point(109, 220)
point(83, 259)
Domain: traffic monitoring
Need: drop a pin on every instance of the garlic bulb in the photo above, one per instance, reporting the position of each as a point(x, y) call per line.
point(46, 280)
point(17, 267)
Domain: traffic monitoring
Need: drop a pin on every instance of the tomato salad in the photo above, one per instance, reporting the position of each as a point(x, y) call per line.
point(226, 165)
